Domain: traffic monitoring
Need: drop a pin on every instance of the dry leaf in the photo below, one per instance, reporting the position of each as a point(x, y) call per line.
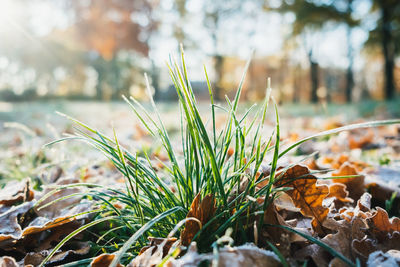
point(354, 185)
point(9, 226)
point(8, 262)
point(57, 208)
point(340, 194)
point(35, 258)
point(16, 192)
point(103, 260)
point(285, 202)
point(246, 255)
point(381, 226)
point(271, 216)
point(361, 210)
point(362, 141)
point(202, 210)
point(155, 242)
point(306, 194)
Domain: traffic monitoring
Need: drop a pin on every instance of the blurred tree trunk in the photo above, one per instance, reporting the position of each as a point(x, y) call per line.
point(100, 78)
point(314, 77)
point(118, 91)
point(296, 84)
point(155, 81)
point(350, 57)
point(388, 47)
point(219, 69)
point(349, 73)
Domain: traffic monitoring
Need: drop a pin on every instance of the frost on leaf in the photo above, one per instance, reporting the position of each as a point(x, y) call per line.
point(306, 194)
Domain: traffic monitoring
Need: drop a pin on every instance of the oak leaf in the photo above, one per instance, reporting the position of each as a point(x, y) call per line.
point(202, 210)
point(339, 193)
point(355, 185)
point(306, 194)
point(381, 226)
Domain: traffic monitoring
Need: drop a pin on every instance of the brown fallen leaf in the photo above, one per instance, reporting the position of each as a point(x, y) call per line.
point(57, 208)
point(157, 241)
point(362, 209)
point(336, 163)
point(35, 258)
point(271, 216)
point(15, 192)
point(7, 261)
point(361, 141)
point(246, 255)
point(354, 185)
point(381, 226)
point(340, 194)
point(306, 194)
point(150, 257)
point(341, 241)
point(364, 247)
point(103, 260)
point(202, 210)
point(9, 226)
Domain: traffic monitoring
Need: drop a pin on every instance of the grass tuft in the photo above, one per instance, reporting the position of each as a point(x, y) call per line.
point(156, 202)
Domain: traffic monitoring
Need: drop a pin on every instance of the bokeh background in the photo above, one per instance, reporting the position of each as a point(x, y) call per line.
point(317, 51)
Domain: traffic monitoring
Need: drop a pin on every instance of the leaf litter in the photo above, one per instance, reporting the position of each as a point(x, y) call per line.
point(337, 197)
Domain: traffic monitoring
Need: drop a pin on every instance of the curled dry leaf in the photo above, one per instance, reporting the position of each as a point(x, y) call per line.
point(10, 229)
point(202, 210)
point(57, 208)
point(352, 227)
point(355, 185)
point(285, 202)
point(35, 258)
point(336, 163)
point(306, 194)
point(41, 224)
point(339, 193)
point(361, 141)
point(103, 260)
point(279, 236)
point(362, 209)
point(16, 192)
point(156, 242)
point(246, 255)
point(271, 216)
point(381, 226)
point(8, 262)
point(150, 257)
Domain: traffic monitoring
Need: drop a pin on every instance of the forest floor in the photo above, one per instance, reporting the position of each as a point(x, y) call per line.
point(350, 213)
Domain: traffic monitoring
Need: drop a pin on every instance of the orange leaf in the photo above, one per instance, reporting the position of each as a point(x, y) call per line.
point(306, 194)
point(339, 192)
point(355, 185)
point(361, 141)
point(103, 260)
point(382, 223)
point(201, 210)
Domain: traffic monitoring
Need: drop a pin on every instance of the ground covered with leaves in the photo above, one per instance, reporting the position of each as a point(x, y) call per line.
point(217, 186)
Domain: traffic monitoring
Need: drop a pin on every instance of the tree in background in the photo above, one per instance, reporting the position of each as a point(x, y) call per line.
point(387, 35)
point(107, 27)
point(215, 12)
point(311, 17)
